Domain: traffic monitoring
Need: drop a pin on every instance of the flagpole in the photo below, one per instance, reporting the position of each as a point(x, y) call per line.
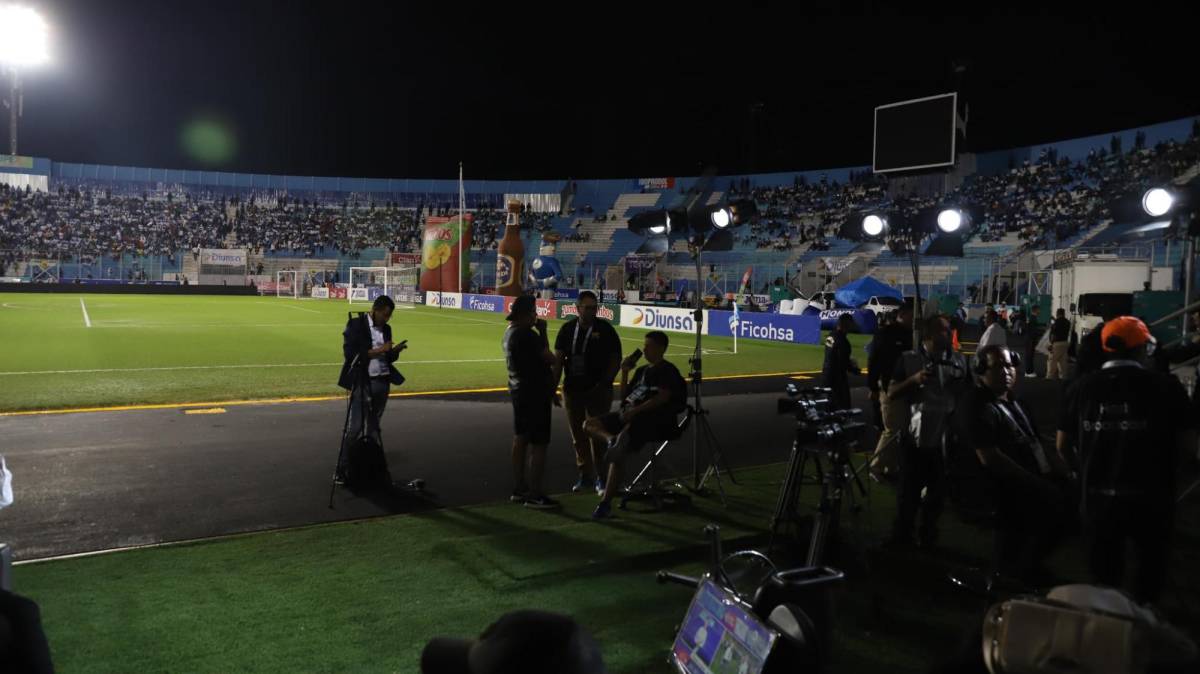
point(461, 204)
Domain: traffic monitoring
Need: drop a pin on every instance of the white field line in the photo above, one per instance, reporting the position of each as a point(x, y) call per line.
point(86, 321)
point(236, 367)
point(291, 306)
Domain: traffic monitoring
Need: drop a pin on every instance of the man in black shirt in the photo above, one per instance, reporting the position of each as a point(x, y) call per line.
point(589, 351)
point(1030, 505)
point(1122, 428)
point(892, 341)
point(1060, 341)
point(838, 363)
point(532, 373)
point(649, 412)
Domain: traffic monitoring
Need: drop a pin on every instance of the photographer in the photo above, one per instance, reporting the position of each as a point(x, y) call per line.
point(889, 344)
point(652, 401)
point(532, 373)
point(930, 382)
point(838, 364)
point(368, 352)
point(1026, 479)
point(590, 353)
point(1122, 429)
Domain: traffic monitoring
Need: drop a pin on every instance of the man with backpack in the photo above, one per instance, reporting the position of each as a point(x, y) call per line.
point(1122, 429)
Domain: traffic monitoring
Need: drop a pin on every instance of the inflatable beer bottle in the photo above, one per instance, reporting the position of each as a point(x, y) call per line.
point(510, 255)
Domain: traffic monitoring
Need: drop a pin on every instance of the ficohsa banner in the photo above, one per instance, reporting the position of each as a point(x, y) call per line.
point(493, 303)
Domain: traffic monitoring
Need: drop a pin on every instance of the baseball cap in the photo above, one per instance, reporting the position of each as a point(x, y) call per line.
point(524, 304)
point(1131, 332)
point(520, 642)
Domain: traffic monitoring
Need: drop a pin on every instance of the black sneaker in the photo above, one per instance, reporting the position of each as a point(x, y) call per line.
point(540, 502)
point(518, 496)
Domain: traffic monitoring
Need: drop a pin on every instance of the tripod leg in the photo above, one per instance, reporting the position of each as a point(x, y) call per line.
point(341, 446)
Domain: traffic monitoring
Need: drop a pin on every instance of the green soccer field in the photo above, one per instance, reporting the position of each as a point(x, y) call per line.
point(103, 350)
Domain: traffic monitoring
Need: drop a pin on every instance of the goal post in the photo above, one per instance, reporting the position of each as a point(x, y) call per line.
point(287, 284)
point(367, 283)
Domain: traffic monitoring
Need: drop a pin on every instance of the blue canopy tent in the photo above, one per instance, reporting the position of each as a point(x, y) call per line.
point(856, 293)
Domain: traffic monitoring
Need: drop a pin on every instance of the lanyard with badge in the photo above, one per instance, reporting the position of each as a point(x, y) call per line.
point(578, 366)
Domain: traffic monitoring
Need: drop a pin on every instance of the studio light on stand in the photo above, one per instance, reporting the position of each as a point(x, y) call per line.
point(705, 227)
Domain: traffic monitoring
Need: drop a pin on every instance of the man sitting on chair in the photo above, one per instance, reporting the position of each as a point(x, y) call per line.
point(651, 403)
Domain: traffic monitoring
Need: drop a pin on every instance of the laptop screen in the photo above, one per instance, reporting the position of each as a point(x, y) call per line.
point(720, 636)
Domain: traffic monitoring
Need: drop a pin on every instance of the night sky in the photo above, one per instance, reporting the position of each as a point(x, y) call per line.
point(588, 91)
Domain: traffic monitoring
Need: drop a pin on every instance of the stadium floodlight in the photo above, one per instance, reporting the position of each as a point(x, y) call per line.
point(1157, 202)
point(873, 225)
point(721, 218)
point(949, 220)
point(22, 43)
point(22, 37)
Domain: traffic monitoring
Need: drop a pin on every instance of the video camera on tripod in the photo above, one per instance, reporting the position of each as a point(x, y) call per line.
point(815, 422)
point(820, 432)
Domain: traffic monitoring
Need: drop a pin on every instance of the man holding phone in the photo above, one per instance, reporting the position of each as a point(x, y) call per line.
point(368, 336)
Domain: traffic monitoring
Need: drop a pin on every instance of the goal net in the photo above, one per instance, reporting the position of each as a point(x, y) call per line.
point(367, 283)
point(287, 284)
point(403, 282)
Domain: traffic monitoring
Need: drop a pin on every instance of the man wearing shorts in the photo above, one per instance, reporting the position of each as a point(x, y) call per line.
point(532, 372)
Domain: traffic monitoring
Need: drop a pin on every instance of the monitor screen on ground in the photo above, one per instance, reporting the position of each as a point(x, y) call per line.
point(721, 636)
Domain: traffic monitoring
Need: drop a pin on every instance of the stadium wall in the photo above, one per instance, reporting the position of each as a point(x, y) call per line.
point(160, 288)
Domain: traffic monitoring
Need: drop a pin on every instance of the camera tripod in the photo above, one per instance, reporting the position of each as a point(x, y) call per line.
point(838, 480)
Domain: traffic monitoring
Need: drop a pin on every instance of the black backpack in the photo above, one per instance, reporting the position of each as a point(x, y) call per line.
point(366, 467)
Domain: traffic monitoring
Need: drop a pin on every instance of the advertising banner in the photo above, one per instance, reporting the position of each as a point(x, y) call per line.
point(546, 309)
point(655, 183)
point(640, 264)
point(439, 253)
point(771, 327)
point(320, 292)
point(566, 293)
point(659, 318)
point(864, 320)
point(494, 303)
point(218, 257)
point(609, 312)
point(337, 293)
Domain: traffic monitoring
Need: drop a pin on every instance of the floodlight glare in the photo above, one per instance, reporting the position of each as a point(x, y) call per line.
point(949, 220)
point(873, 225)
point(22, 36)
point(721, 218)
point(1157, 202)
point(659, 229)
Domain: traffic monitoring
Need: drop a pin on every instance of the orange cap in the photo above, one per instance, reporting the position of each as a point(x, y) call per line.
point(1132, 331)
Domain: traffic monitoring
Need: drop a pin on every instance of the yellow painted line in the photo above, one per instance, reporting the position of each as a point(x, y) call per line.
point(313, 399)
point(209, 410)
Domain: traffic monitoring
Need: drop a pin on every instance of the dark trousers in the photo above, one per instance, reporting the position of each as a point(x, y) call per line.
point(1147, 523)
point(23, 643)
point(378, 390)
point(1033, 337)
point(920, 468)
point(1030, 523)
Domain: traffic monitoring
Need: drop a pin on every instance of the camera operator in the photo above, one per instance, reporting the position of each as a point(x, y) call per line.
point(590, 352)
point(1027, 480)
point(838, 364)
point(1122, 429)
point(652, 401)
point(368, 337)
point(930, 382)
point(889, 344)
point(532, 373)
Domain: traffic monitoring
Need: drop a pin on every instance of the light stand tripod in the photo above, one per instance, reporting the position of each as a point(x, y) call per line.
point(360, 377)
point(702, 432)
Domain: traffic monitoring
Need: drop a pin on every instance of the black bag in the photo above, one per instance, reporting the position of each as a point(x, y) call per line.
point(366, 466)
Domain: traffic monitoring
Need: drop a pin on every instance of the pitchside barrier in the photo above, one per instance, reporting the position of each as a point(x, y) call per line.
point(751, 325)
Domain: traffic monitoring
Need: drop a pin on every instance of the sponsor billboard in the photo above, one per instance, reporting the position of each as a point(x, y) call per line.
point(864, 319)
point(444, 300)
point(473, 302)
point(771, 327)
point(223, 257)
point(433, 299)
point(659, 318)
point(655, 183)
point(609, 312)
point(566, 293)
point(320, 292)
point(546, 309)
point(338, 293)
